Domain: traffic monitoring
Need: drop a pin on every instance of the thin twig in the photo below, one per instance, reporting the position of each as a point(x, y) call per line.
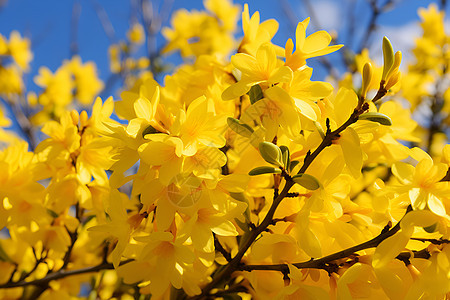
point(62, 274)
point(105, 22)
point(76, 12)
point(324, 262)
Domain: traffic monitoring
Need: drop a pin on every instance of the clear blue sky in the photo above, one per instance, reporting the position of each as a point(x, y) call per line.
point(48, 24)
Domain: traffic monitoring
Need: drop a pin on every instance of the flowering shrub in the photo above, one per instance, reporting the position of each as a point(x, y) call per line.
point(238, 178)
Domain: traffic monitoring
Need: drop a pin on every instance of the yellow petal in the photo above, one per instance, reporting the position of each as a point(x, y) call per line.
point(246, 63)
point(316, 41)
point(388, 249)
point(351, 149)
point(282, 74)
point(236, 90)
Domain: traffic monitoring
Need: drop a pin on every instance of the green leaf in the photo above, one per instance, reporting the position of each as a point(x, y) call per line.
point(430, 229)
point(239, 128)
point(376, 117)
point(255, 93)
point(286, 157)
point(307, 181)
point(3, 255)
point(294, 163)
point(52, 213)
point(264, 170)
point(149, 130)
point(271, 153)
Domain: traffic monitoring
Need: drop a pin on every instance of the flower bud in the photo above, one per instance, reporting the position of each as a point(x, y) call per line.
point(75, 117)
point(388, 57)
point(366, 78)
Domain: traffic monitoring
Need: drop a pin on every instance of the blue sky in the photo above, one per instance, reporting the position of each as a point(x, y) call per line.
point(48, 22)
point(48, 25)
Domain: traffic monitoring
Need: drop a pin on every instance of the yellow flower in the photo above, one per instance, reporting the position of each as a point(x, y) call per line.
point(264, 69)
point(87, 84)
point(136, 34)
point(20, 50)
point(196, 33)
point(306, 92)
point(117, 226)
point(256, 34)
point(10, 80)
point(201, 126)
point(225, 11)
point(163, 252)
point(312, 46)
point(21, 196)
point(423, 182)
point(276, 109)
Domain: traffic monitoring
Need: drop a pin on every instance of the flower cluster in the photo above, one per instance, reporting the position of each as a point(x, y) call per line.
point(236, 178)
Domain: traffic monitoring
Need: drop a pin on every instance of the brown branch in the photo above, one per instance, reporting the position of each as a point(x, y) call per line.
point(326, 262)
point(218, 246)
point(61, 274)
point(433, 241)
point(447, 176)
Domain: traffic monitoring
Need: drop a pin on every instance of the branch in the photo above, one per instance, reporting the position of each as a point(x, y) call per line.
point(76, 12)
point(433, 241)
point(62, 274)
point(22, 120)
point(218, 246)
point(235, 263)
point(324, 262)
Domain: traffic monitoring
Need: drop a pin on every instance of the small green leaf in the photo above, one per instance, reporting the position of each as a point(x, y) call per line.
point(255, 93)
point(376, 117)
point(3, 255)
point(149, 130)
point(286, 157)
point(264, 170)
point(239, 128)
point(431, 228)
point(294, 163)
point(52, 213)
point(307, 181)
point(271, 153)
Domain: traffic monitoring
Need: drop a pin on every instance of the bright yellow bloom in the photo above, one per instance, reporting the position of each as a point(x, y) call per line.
point(196, 33)
point(117, 225)
point(163, 252)
point(227, 13)
point(306, 92)
point(10, 80)
point(19, 48)
point(87, 83)
point(200, 126)
point(264, 69)
point(312, 46)
point(256, 34)
point(423, 182)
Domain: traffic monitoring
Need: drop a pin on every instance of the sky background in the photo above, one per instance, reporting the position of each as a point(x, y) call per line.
point(48, 22)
